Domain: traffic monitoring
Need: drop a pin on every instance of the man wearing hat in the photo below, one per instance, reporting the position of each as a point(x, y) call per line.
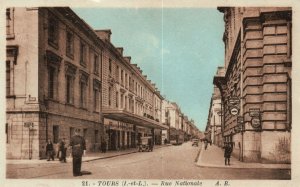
point(77, 143)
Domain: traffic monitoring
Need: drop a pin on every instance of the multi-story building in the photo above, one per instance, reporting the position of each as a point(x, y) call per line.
point(61, 74)
point(214, 118)
point(185, 127)
point(174, 118)
point(131, 104)
point(255, 83)
point(53, 80)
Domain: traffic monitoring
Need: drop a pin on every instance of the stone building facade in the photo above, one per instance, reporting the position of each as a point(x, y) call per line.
point(255, 83)
point(131, 103)
point(214, 119)
point(53, 80)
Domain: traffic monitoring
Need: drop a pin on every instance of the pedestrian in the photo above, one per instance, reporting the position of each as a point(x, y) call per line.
point(49, 150)
point(77, 143)
point(62, 150)
point(227, 153)
point(150, 144)
point(103, 146)
point(205, 143)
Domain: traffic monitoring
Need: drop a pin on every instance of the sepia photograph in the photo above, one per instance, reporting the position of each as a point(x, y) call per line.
point(148, 94)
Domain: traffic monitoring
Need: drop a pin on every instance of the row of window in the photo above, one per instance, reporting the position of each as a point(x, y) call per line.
point(56, 134)
point(69, 87)
point(127, 103)
point(53, 40)
point(128, 82)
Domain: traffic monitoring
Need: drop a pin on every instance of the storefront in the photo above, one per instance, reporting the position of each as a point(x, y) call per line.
point(120, 135)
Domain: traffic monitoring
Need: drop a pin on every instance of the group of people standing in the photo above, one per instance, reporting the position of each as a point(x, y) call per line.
point(78, 147)
point(61, 153)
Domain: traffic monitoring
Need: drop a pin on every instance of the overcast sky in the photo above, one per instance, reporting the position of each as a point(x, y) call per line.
point(179, 49)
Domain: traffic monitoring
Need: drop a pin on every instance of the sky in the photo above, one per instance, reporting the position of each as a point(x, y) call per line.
point(179, 49)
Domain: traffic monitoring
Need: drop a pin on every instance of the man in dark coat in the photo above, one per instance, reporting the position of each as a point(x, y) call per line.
point(103, 145)
point(63, 150)
point(77, 143)
point(49, 150)
point(227, 153)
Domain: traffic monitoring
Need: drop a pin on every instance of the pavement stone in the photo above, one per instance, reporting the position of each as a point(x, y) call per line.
point(213, 157)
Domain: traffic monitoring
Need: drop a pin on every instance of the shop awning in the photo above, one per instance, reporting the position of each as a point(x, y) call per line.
point(128, 117)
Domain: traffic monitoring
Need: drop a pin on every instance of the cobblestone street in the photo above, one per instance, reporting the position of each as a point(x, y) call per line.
point(146, 165)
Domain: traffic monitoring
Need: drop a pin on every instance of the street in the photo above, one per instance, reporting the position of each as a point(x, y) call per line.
point(171, 162)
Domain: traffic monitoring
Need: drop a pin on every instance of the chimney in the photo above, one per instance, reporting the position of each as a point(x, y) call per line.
point(104, 34)
point(120, 49)
point(127, 59)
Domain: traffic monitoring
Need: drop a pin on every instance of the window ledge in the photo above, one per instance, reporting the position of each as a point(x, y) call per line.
point(70, 104)
point(11, 96)
point(83, 64)
point(54, 45)
point(71, 56)
point(10, 36)
point(83, 108)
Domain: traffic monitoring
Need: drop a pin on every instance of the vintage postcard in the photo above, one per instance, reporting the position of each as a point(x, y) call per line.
point(150, 93)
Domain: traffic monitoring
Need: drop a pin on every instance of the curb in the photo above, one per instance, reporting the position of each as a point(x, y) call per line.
point(243, 166)
point(112, 156)
point(122, 154)
point(199, 154)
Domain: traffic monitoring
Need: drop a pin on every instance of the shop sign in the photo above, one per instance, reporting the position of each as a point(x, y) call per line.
point(240, 119)
point(255, 122)
point(117, 125)
point(234, 100)
point(234, 111)
point(254, 112)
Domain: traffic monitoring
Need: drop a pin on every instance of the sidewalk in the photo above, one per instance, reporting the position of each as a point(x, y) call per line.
point(213, 156)
point(88, 157)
